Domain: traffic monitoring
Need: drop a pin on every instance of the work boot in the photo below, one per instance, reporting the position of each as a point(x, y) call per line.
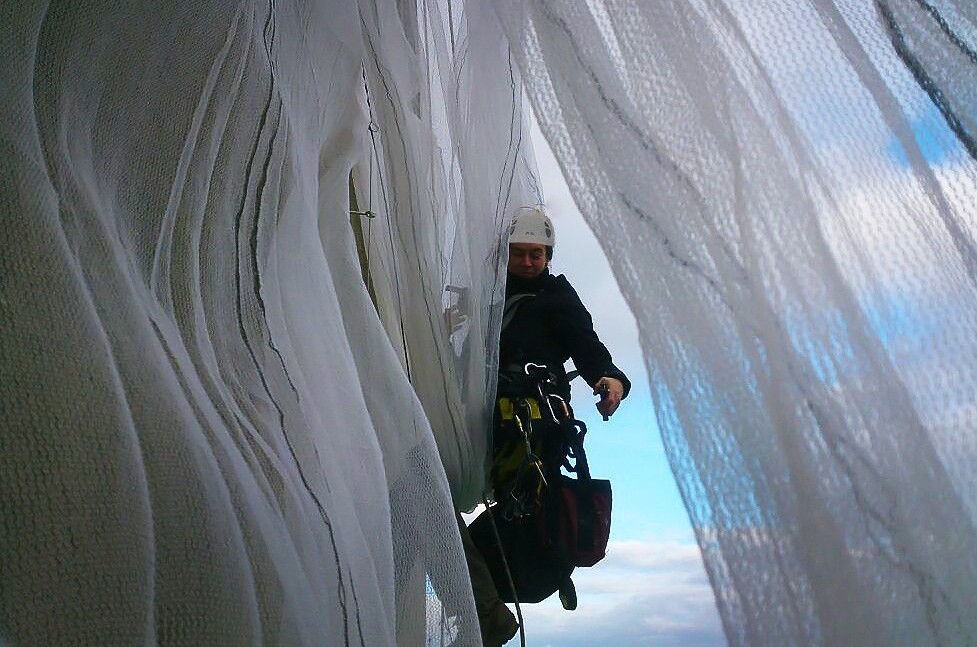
point(498, 625)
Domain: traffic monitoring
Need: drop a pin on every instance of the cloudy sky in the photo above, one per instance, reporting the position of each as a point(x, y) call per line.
point(651, 589)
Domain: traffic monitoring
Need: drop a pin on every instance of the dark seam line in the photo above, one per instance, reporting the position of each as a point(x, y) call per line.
point(396, 121)
point(259, 288)
point(895, 119)
point(615, 109)
point(294, 389)
point(234, 418)
point(534, 181)
point(510, 153)
point(459, 66)
point(281, 414)
point(356, 606)
point(414, 236)
point(923, 581)
point(201, 418)
point(643, 140)
point(242, 330)
point(926, 82)
point(272, 91)
point(389, 214)
point(670, 250)
point(948, 31)
point(514, 150)
point(498, 205)
point(210, 114)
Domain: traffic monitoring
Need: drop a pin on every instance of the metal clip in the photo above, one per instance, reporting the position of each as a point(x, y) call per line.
point(563, 405)
point(530, 365)
point(538, 464)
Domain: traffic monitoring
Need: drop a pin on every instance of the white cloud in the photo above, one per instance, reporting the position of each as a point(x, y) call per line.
point(642, 554)
point(643, 594)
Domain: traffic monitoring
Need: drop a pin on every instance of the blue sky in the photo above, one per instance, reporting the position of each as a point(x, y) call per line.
point(651, 590)
point(936, 141)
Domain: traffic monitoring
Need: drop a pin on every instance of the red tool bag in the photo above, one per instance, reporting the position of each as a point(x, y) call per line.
point(576, 517)
point(584, 519)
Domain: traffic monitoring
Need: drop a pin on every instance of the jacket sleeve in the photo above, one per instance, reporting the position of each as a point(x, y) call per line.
point(574, 327)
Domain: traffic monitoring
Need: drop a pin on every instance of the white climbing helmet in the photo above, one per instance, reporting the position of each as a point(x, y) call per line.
point(532, 225)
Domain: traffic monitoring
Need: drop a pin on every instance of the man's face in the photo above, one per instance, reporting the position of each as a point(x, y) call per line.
point(526, 260)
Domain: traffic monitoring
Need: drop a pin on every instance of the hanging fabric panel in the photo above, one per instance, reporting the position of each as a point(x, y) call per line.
point(209, 434)
point(445, 165)
point(786, 192)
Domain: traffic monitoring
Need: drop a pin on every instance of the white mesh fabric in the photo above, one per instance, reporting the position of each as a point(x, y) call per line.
point(786, 192)
point(444, 171)
point(208, 437)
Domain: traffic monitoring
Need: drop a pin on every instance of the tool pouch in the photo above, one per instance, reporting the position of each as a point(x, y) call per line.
point(583, 524)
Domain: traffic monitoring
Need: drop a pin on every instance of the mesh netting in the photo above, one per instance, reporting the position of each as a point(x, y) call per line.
point(234, 412)
point(209, 437)
point(786, 193)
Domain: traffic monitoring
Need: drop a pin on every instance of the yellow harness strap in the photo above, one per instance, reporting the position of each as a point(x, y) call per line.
point(508, 460)
point(507, 408)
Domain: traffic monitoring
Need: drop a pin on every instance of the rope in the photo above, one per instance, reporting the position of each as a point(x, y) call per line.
point(508, 574)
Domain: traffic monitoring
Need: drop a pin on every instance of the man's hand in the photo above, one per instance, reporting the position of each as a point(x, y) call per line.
point(611, 391)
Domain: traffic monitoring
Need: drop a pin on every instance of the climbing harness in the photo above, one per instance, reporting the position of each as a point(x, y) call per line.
point(543, 522)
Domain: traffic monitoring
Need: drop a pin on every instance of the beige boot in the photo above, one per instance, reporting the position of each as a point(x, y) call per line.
point(498, 624)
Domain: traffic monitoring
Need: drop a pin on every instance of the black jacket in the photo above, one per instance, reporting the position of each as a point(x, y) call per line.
point(545, 322)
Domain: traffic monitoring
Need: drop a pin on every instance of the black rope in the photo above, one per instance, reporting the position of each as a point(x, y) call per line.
point(508, 573)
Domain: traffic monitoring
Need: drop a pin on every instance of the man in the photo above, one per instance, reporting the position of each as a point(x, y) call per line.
point(544, 323)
